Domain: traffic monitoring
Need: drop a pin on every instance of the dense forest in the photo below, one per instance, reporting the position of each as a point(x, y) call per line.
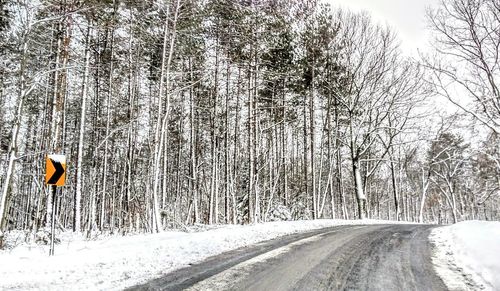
point(176, 112)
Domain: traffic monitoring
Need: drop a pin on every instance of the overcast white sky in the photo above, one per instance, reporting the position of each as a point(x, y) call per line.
point(406, 17)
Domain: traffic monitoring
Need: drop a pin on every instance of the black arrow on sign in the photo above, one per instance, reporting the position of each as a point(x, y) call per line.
point(57, 174)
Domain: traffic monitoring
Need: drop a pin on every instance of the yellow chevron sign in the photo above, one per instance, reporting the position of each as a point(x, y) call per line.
point(55, 170)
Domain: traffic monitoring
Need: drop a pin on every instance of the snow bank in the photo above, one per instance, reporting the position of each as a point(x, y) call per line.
point(116, 262)
point(467, 255)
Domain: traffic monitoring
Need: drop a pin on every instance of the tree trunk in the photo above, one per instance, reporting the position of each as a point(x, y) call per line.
point(106, 146)
point(311, 129)
point(250, 150)
point(13, 147)
point(162, 120)
point(425, 185)
point(226, 149)
point(79, 163)
point(358, 184)
point(394, 189)
point(194, 190)
point(214, 196)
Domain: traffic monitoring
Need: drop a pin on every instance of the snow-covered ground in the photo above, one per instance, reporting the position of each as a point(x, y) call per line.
point(467, 255)
point(115, 262)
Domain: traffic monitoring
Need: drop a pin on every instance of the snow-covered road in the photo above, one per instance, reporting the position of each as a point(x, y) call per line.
point(370, 257)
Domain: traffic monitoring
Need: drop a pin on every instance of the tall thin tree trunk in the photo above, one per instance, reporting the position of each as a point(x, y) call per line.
point(312, 147)
point(250, 149)
point(236, 144)
point(340, 186)
point(162, 120)
point(283, 149)
point(12, 151)
point(214, 195)
point(81, 136)
point(106, 146)
point(255, 146)
point(226, 148)
point(193, 179)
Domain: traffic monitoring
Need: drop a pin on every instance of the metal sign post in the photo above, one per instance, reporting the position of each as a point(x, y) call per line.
point(55, 175)
point(53, 224)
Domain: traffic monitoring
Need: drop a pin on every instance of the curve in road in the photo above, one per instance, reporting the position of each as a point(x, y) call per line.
point(369, 257)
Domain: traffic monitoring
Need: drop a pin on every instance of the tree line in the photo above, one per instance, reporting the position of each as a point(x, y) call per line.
point(181, 112)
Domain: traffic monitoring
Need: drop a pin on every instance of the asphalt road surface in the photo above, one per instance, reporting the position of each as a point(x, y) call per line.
point(371, 257)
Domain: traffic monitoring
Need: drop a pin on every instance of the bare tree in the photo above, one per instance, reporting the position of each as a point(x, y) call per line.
point(376, 89)
point(466, 68)
point(163, 113)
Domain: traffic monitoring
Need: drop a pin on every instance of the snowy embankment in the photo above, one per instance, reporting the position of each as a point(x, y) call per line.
point(115, 262)
point(467, 255)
